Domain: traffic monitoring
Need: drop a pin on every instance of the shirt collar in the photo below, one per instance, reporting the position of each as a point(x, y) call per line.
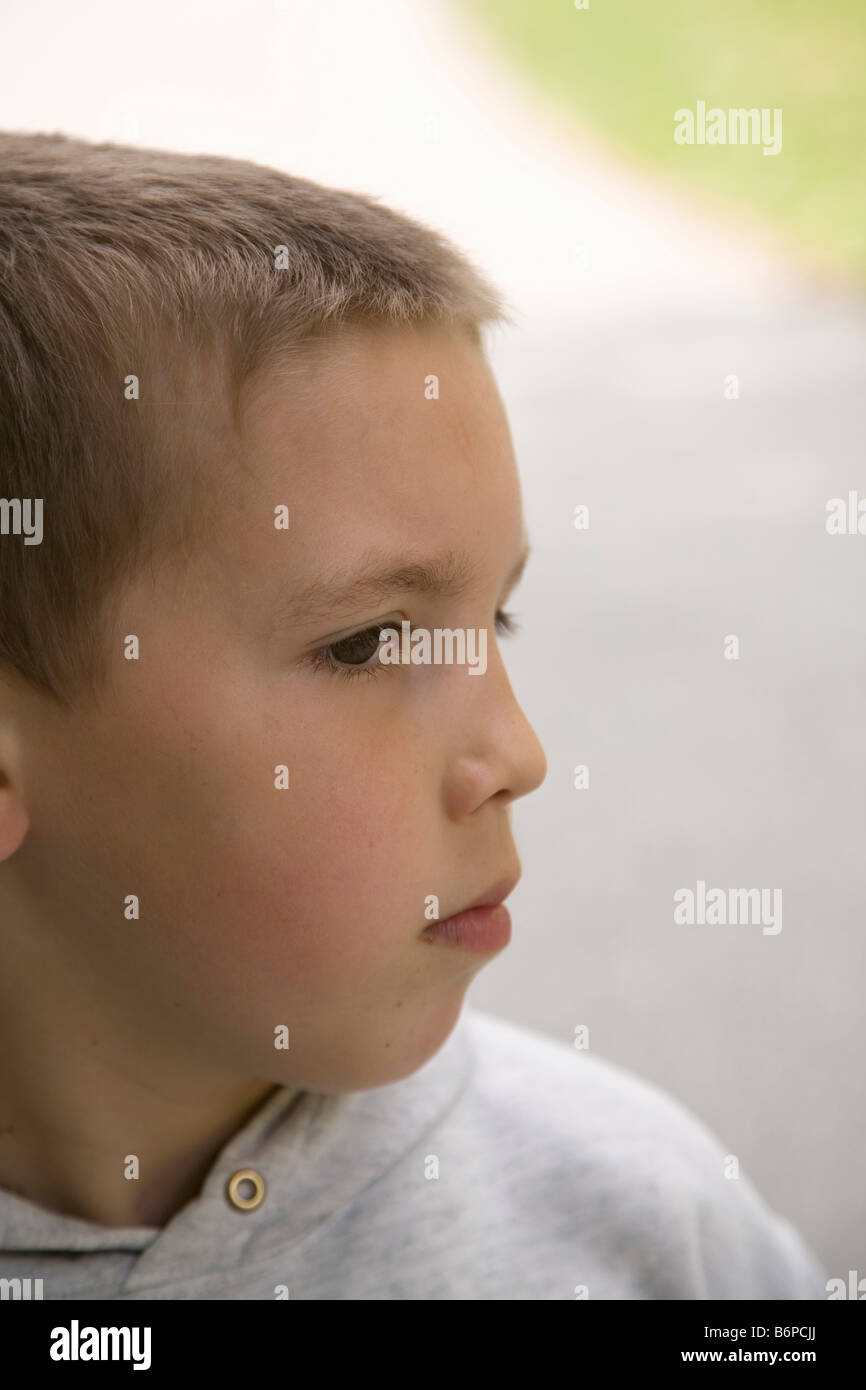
point(312, 1152)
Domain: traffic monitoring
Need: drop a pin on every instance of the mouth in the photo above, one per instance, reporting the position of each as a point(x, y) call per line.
point(482, 926)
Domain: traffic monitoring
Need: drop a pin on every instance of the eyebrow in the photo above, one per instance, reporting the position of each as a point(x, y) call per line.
point(448, 575)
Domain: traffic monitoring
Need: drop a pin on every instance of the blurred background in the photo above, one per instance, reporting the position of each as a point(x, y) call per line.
point(688, 365)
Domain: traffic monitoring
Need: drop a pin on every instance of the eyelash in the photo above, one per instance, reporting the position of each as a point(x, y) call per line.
point(322, 660)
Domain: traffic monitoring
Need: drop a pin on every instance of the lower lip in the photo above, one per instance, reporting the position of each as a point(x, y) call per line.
point(481, 929)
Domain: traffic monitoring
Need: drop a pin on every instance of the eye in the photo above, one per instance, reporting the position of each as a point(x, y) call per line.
point(506, 624)
point(353, 656)
point(357, 655)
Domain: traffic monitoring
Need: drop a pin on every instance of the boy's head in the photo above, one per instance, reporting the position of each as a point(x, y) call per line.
point(175, 388)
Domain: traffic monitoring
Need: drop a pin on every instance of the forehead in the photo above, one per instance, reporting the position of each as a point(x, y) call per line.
point(391, 428)
point(390, 447)
point(371, 468)
point(422, 376)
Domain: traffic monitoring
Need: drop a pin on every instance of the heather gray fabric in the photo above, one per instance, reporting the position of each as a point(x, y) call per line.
point(557, 1171)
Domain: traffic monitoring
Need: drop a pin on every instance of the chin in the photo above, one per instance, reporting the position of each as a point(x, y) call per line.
point(392, 1056)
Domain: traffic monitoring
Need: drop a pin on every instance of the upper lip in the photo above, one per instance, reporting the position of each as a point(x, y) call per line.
point(496, 894)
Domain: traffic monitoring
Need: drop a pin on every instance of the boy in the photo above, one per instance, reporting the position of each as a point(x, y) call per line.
point(234, 843)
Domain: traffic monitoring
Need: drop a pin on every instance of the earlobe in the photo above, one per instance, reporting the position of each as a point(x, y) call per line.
point(14, 820)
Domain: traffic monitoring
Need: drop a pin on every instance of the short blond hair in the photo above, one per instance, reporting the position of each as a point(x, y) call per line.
point(119, 263)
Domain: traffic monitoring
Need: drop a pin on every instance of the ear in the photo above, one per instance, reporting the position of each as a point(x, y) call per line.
point(14, 820)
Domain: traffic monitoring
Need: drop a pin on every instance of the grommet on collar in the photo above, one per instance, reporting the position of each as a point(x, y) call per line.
point(246, 1201)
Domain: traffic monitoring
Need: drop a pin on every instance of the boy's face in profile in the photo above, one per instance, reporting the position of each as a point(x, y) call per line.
point(302, 907)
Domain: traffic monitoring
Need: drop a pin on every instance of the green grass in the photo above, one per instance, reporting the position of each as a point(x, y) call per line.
point(624, 66)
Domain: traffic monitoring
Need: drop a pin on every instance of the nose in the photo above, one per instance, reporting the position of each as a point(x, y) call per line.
point(500, 753)
point(528, 757)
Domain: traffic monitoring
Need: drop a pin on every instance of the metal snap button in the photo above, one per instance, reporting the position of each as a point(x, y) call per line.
point(246, 1201)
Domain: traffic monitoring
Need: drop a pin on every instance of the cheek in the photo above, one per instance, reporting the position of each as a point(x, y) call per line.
point(325, 878)
point(320, 883)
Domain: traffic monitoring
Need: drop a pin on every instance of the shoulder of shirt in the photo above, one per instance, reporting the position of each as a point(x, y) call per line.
point(587, 1124)
point(573, 1102)
point(596, 1102)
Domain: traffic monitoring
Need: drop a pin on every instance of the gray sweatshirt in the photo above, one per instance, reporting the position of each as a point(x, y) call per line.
point(509, 1166)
